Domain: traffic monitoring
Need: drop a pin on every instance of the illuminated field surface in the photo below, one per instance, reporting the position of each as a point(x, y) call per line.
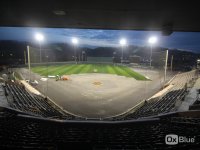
point(87, 68)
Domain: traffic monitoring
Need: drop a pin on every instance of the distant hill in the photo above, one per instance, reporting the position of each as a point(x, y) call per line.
point(13, 52)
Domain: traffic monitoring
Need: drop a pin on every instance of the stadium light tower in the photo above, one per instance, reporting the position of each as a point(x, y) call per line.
point(75, 43)
point(152, 40)
point(123, 43)
point(39, 37)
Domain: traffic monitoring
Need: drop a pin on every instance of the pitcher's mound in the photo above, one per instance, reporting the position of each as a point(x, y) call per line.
point(97, 83)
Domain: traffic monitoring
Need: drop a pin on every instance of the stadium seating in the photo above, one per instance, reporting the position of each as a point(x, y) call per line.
point(166, 103)
point(33, 122)
point(195, 106)
point(20, 99)
point(20, 131)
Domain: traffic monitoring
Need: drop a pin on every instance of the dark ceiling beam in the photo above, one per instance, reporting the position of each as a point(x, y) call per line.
point(163, 15)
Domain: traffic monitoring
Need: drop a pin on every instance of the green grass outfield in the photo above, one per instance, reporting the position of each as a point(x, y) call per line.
point(87, 68)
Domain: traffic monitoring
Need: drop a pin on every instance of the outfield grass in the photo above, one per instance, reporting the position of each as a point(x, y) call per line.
point(87, 68)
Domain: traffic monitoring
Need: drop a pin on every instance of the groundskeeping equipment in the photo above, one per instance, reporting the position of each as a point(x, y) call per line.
point(63, 77)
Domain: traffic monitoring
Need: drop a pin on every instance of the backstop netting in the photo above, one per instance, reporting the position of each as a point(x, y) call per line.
point(41, 55)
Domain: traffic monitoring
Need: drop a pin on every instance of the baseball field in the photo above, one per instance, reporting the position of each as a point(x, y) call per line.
point(69, 69)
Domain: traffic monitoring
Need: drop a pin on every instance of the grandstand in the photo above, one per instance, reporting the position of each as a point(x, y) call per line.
point(19, 131)
point(20, 99)
point(99, 75)
point(168, 102)
point(30, 121)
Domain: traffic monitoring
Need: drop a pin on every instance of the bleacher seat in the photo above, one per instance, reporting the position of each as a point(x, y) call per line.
point(20, 99)
point(19, 131)
point(166, 103)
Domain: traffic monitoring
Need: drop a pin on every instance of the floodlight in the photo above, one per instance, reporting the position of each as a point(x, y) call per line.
point(122, 42)
point(152, 40)
point(74, 41)
point(39, 37)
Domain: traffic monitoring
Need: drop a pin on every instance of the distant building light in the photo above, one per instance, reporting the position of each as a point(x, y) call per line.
point(59, 12)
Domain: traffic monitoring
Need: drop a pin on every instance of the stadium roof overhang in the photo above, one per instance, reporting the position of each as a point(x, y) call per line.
point(165, 15)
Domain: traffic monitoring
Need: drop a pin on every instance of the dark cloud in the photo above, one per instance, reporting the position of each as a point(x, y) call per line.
point(90, 37)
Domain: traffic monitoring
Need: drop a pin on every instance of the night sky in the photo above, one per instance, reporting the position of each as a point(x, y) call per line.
point(189, 41)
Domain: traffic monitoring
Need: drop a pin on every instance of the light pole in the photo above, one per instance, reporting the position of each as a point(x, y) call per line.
point(29, 63)
point(122, 42)
point(83, 54)
point(75, 43)
point(172, 57)
point(152, 40)
point(47, 77)
point(166, 61)
point(114, 55)
point(39, 37)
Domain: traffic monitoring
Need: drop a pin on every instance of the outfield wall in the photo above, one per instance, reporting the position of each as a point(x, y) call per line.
point(100, 59)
